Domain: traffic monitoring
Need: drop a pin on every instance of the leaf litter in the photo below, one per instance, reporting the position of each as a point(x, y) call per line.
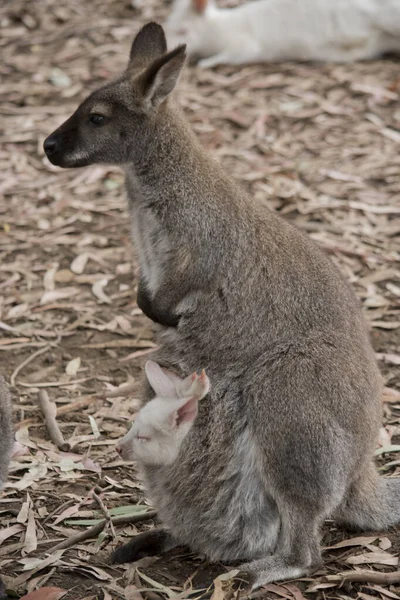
point(318, 143)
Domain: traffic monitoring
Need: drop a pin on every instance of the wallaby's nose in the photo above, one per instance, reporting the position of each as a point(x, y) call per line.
point(118, 449)
point(50, 146)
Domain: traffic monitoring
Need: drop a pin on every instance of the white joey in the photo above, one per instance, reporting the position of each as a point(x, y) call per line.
point(162, 424)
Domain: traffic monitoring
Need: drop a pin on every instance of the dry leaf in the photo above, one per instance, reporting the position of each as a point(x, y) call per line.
point(73, 366)
point(59, 294)
point(79, 263)
point(376, 558)
point(30, 543)
point(98, 291)
point(45, 593)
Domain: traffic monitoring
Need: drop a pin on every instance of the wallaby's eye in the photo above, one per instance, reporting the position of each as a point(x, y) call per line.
point(97, 119)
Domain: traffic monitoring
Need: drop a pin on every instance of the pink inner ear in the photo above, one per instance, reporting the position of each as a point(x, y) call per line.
point(199, 5)
point(187, 413)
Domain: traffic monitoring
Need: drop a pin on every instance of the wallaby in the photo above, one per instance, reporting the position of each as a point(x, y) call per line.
point(286, 436)
point(6, 443)
point(162, 424)
point(277, 30)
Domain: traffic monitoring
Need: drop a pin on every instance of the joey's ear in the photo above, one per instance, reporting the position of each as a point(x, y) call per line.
point(149, 44)
point(199, 5)
point(160, 78)
point(159, 380)
point(185, 413)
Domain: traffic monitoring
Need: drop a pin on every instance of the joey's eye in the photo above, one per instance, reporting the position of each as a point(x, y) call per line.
point(97, 119)
point(143, 438)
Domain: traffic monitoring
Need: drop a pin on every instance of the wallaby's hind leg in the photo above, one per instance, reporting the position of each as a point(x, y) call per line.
point(298, 550)
point(372, 502)
point(149, 543)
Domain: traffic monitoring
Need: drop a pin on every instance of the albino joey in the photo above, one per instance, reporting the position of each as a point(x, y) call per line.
point(286, 436)
point(162, 424)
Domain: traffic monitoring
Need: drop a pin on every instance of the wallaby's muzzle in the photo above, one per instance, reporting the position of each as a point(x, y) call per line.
point(62, 146)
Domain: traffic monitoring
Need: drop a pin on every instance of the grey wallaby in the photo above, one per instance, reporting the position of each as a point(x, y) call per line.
point(286, 436)
point(6, 443)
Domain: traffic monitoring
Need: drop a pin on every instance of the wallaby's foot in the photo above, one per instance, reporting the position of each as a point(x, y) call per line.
point(297, 551)
point(372, 503)
point(150, 543)
point(272, 568)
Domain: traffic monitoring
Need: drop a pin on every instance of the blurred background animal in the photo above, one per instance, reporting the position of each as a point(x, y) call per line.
point(6, 443)
point(278, 30)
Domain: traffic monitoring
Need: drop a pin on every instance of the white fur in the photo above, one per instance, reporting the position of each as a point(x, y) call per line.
point(162, 424)
point(277, 30)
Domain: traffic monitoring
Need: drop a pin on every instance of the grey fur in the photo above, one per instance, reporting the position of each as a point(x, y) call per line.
point(6, 431)
point(6, 444)
point(286, 437)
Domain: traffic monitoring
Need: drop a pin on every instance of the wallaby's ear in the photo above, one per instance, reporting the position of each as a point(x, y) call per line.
point(149, 44)
point(185, 413)
point(159, 380)
point(161, 76)
point(199, 5)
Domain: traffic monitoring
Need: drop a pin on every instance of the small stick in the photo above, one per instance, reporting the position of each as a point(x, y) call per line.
point(27, 361)
point(49, 410)
point(105, 512)
point(59, 509)
point(98, 528)
point(63, 410)
point(366, 577)
point(123, 390)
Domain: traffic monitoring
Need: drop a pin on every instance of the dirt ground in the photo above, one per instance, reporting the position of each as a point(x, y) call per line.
point(318, 143)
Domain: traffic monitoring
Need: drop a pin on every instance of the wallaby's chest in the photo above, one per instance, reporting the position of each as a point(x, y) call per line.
point(152, 245)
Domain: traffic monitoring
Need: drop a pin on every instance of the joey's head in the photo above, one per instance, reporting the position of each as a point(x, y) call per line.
point(114, 124)
point(162, 424)
point(188, 24)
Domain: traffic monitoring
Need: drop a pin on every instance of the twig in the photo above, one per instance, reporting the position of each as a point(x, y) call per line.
point(49, 410)
point(366, 577)
point(54, 383)
point(137, 354)
point(98, 528)
point(59, 509)
point(122, 390)
point(63, 410)
point(105, 512)
point(27, 361)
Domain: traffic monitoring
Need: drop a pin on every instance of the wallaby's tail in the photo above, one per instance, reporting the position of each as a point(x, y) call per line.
point(372, 503)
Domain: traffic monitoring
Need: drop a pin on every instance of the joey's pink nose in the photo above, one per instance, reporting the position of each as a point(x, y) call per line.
point(118, 449)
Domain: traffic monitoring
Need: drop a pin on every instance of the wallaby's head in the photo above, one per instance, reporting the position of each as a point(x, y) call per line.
point(162, 424)
point(187, 23)
point(115, 122)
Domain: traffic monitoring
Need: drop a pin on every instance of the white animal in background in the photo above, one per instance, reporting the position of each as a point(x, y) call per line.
point(162, 424)
point(278, 30)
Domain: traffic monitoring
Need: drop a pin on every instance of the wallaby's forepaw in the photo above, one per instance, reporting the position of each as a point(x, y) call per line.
point(200, 385)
